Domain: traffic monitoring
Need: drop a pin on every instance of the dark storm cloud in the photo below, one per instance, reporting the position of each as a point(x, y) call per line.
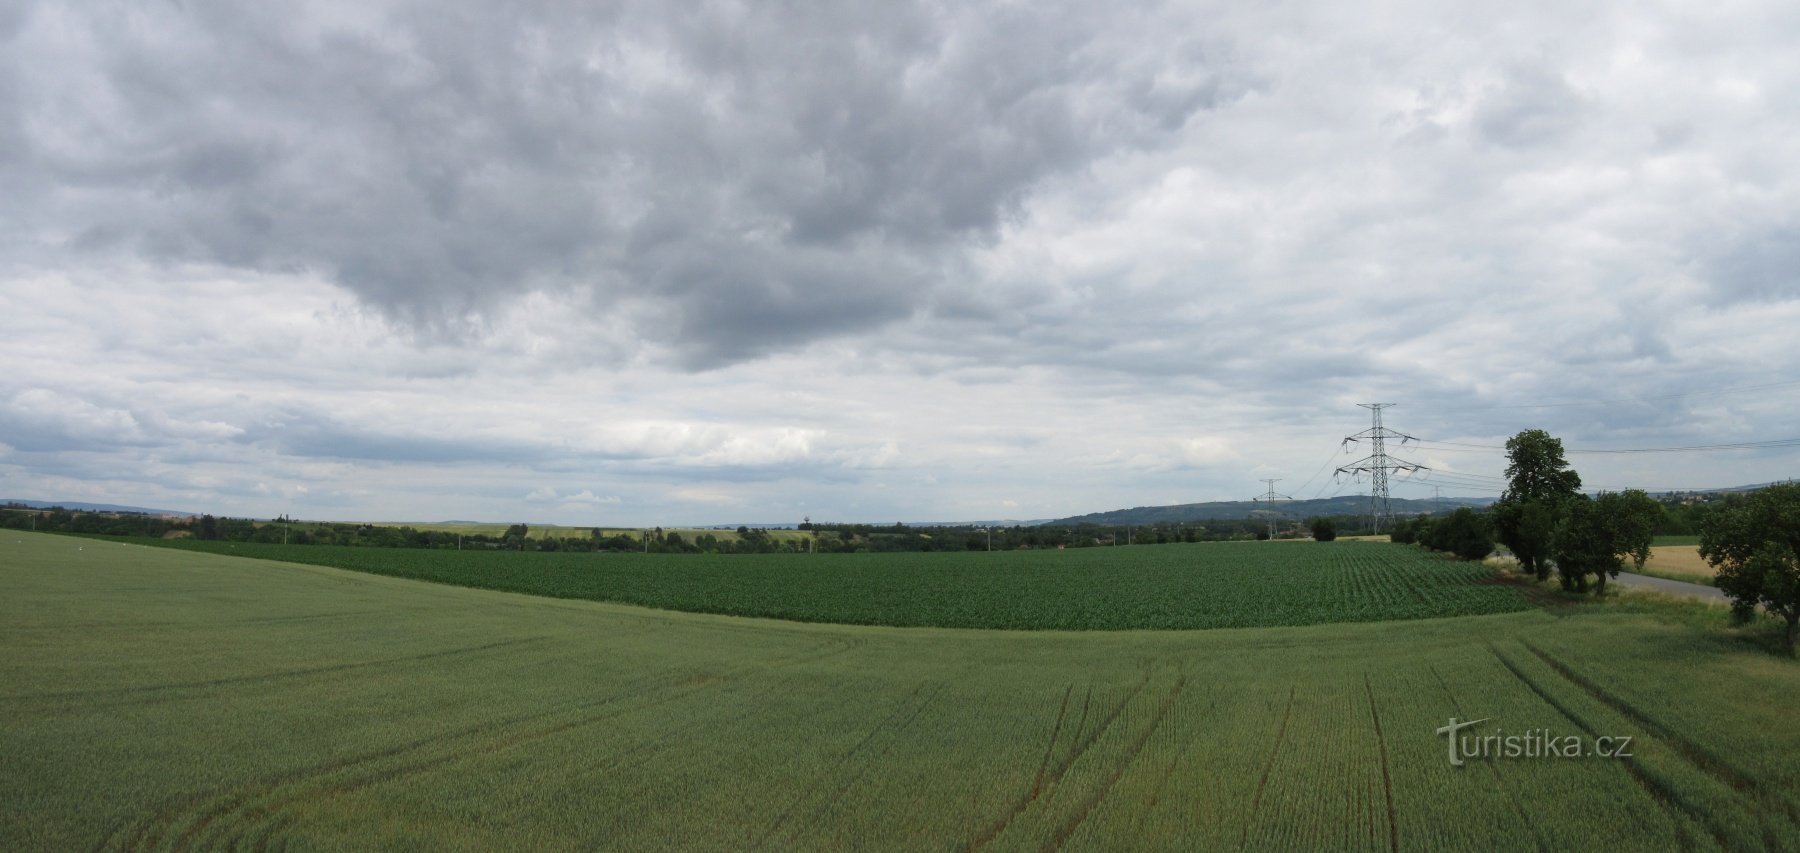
point(750, 176)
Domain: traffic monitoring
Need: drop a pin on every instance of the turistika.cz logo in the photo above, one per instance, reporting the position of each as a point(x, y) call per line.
point(1529, 744)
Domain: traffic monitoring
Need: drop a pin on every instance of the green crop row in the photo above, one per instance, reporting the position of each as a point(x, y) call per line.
point(1213, 585)
point(158, 699)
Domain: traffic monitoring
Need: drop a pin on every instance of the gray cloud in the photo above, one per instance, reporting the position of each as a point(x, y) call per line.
point(757, 176)
point(1762, 267)
point(1534, 106)
point(878, 261)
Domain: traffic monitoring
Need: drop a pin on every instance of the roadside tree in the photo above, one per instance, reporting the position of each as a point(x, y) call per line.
point(1756, 548)
point(1539, 482)
point(1596, 535)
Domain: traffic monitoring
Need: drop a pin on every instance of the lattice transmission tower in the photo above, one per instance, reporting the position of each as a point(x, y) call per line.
point(1273, 499)
point(1378, 464)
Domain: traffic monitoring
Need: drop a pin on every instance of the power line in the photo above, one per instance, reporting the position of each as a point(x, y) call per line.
point(1739, 445)
point(1459, 475)
point(1315, 476)
point(1716, 392)
point(1378, 463)
point(1272, 498)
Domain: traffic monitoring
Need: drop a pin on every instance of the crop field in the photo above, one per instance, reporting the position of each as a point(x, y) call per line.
point(165, 699)
point(1680, 562)
point(544, 531)
point(1212, 585)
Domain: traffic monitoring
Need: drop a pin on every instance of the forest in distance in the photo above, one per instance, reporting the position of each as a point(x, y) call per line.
point(1680, 517)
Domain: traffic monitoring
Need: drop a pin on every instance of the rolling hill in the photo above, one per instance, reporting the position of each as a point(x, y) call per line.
point(1225, 510)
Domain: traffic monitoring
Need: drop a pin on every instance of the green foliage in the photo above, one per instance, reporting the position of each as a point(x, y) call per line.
point(1323, 529)
point(1634, 518)
point(1582, 547)
point(1463, 533)
point(1406, 530)
point(162, 699)
point(61, 520)
point(1539, 482)
point(1755, 545)
point(1596, 536)
point(1536, 469)
point(1198, 586)
point(1528, 529)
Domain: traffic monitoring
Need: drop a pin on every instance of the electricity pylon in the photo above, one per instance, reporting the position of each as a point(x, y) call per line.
point(1378, 463)
point(1272, 499)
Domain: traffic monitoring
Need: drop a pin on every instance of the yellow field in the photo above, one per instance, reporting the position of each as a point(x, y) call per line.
point(1679, 562)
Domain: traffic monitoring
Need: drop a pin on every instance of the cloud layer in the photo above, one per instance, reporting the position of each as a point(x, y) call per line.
point(888, 260)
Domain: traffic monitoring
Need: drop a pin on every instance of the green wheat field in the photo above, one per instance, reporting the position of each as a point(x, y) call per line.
point(169, 699)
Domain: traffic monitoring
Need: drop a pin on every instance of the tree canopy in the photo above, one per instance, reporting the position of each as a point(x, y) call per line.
point(1536, 469)
point(1756, 548)
point(1539, 481)
point(1595, 536)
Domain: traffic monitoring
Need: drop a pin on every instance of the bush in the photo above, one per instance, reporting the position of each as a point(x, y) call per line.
point(1462, 533)
point(1324, 529)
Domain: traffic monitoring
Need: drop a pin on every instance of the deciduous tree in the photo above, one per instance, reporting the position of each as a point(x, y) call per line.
point(1756, 548)
point(1539, 481)
point(1596, 535)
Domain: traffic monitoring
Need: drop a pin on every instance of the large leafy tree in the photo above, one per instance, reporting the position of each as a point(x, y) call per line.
point(1539, 482)
point(1635, 518)
point(1596, 536)
point(1756, 548)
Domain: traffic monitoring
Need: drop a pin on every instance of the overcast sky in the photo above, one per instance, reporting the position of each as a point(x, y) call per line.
point(635, 263)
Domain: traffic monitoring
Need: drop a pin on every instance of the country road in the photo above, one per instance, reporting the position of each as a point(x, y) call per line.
point(1693, 590)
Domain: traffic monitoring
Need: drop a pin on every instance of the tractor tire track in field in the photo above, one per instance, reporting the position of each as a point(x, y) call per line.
point(1387, 781)
point(897, 721)
point(261, 819)
point(119, 693)
point(683, 689)
point(1174, 760)
point(1268, 768)
point(642, 753)
point(1658, 788)
point(203, 811)
point(1696, 755)
point(1512, 793)
point(1086, 807)
point(453, 753)
point(1080, 748)
point(1040, 780)
point(1062, 713)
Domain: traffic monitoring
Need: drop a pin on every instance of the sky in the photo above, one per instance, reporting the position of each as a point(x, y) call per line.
point(642, 263)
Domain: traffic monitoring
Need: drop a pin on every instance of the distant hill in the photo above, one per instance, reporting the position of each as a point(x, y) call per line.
point(88, 507)
point(1228, 510)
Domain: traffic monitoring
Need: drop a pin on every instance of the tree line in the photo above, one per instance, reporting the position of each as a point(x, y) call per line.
point(1552, 528)
point(820, 537)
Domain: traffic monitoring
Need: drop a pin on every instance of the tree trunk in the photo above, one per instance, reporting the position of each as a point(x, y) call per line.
point(1793, 620)
point(1600, 584)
